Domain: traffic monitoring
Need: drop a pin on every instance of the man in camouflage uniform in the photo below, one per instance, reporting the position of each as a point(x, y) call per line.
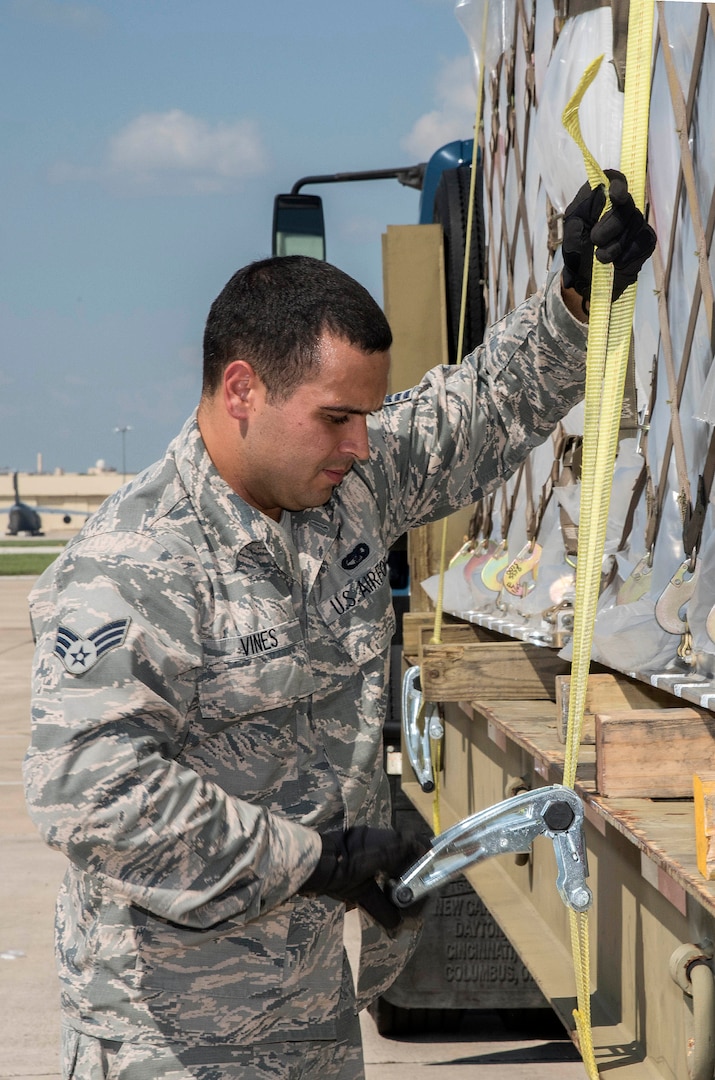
point(209, 681)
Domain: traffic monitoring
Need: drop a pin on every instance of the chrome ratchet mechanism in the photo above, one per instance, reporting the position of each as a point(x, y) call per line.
point(418, 740)
point(512, 825)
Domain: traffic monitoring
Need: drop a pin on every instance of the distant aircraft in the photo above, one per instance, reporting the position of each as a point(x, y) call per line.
point(26, 519)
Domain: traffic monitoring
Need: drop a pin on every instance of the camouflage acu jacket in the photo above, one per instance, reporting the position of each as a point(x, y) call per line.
point(206, 696)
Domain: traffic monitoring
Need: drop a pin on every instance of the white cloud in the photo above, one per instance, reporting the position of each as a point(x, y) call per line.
point(174, 153)
point(206, 158)
point(453, 118)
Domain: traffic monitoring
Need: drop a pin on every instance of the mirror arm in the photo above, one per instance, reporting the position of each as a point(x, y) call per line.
point(409, 176)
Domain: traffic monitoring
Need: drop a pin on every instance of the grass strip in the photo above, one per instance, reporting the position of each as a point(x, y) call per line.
point(25, 562)
point(7, 542)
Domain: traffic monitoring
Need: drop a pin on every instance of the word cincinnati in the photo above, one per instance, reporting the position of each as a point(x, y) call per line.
point(357, 590)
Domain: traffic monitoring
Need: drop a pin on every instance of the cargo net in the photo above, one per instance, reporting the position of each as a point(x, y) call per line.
point(515, 571)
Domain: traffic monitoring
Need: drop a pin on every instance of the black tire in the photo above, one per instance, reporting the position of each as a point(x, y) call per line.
point(451, 208)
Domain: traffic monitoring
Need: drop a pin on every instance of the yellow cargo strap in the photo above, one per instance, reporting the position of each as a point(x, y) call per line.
point(607, 358)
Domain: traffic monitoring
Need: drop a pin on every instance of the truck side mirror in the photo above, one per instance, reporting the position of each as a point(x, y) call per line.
point(298, 226)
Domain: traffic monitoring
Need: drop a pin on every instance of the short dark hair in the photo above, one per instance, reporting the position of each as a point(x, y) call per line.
point(273, 313)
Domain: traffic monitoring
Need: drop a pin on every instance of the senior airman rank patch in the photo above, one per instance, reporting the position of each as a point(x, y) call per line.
point(79, 654)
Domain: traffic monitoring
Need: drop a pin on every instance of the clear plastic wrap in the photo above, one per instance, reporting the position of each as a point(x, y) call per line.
point(582, 39)
point(491, 39)
point(532, 170)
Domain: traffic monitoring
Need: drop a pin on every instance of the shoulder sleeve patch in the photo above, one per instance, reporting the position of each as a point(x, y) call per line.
point(394, 399)
point(79, 654)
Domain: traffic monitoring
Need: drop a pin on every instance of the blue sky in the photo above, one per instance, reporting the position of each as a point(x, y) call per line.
point(142, 144)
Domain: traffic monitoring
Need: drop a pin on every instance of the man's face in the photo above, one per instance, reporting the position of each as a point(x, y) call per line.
point(296, 451)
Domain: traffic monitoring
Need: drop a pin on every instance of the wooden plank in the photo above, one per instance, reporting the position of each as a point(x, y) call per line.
point(605, 693)
point(453, 633)
point(413, 622)
point(414, 301)
point(509, 669)
point(418, 627)
point(652, 753)
point(704, 795)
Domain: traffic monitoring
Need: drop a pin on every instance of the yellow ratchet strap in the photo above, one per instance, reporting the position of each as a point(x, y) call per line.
point(607, 358)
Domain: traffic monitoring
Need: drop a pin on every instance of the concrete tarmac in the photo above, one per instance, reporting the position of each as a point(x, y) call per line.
point(29, 1015)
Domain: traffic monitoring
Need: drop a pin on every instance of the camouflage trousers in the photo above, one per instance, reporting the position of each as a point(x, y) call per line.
point(87, 1058)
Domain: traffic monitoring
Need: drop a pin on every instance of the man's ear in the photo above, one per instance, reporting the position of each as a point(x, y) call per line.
point(239, 383)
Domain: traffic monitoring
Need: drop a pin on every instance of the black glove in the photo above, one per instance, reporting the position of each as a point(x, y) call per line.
point(351, 861)
point(621, 237)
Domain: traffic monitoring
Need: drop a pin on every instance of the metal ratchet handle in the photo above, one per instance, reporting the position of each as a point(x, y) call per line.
point(572, 866)
point(417, 742)
point(509, 826)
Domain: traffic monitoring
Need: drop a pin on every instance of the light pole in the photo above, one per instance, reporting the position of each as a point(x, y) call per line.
point(123, 432)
